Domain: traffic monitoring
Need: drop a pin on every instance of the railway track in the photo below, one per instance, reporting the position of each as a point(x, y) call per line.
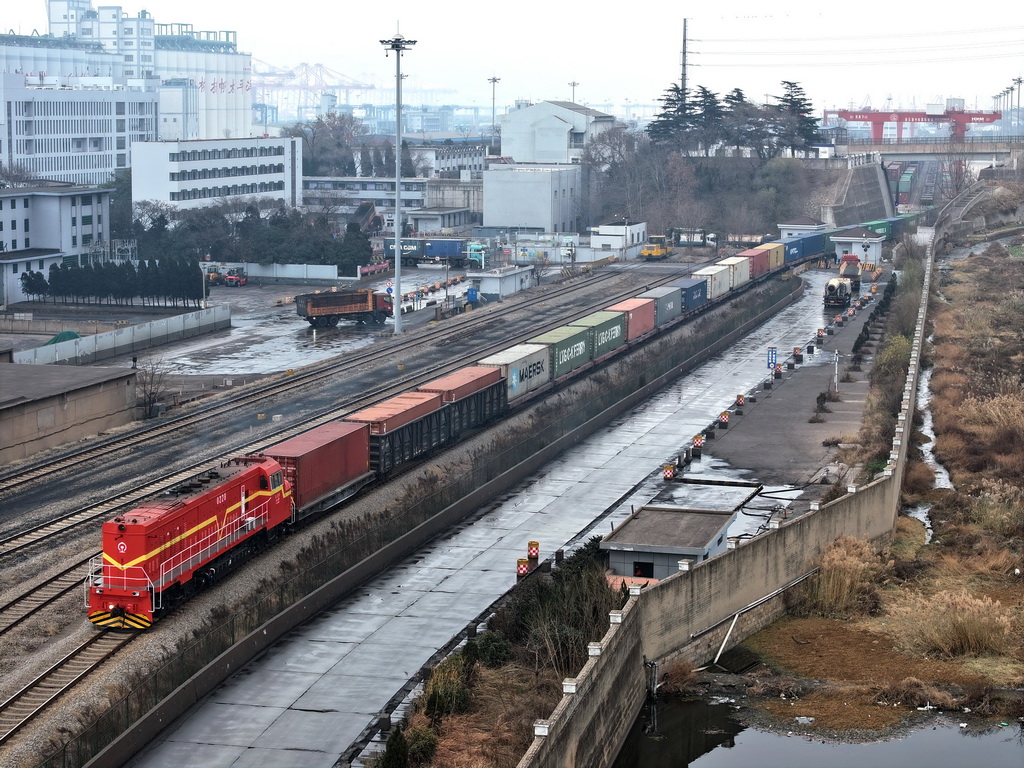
point(102, 450)
point(23, 706)
point(37, 696)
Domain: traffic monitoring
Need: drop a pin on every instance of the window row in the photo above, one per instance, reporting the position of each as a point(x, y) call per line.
point(234, 189)
point(220, 173)
point(223, 154)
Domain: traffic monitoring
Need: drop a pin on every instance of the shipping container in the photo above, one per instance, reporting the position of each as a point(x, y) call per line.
point(325, 465)
point(776, 254)
point(758, 261)
point(398, 411)
point(525, 367)
point(568, 346)
point(607, 331)
point(462, 382)
point(693, 292)
point(640, 315)
point(739, 270)
point(793, 248)
point(717, 278)
point(667, 303)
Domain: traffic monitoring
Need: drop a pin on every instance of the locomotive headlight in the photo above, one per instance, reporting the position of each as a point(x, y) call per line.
point(99, 591)
point(135, 594)
point(111, 607)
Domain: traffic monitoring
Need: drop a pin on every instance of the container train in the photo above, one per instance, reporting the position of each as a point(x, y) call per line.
point(160, 553)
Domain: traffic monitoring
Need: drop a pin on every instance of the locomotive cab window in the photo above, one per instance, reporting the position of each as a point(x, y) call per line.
point(277, 480)
point(264, 483)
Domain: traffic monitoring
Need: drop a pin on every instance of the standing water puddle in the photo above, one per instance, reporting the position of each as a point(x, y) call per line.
point(924, 397)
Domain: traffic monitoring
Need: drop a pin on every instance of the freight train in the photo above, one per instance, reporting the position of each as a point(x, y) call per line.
point(160, 553)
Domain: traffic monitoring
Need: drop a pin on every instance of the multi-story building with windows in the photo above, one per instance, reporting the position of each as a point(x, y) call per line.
point(551, 131)
point(77, 129)
point(51, 223)
point(192, 174)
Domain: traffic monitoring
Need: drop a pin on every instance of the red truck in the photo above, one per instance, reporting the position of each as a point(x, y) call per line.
point(325, 310)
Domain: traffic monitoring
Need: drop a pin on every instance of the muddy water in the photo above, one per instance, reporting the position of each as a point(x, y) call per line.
point(678, 734)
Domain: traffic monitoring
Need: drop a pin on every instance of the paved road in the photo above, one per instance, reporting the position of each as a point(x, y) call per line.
point(308, 699)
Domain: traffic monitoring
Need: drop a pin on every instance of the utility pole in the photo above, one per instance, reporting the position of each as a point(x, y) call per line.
point(682, 79)
point(573, 85)
point(398, 44)
point(494, 89)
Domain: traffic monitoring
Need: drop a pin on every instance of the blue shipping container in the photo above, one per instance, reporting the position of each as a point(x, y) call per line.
point(693, 290)
point(794, 249)
point(444, 248)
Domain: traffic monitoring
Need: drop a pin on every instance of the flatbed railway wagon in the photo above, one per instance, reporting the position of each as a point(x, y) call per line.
point(327, 309)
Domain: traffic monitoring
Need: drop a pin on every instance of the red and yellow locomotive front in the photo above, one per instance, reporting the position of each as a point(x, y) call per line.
point(175, 543)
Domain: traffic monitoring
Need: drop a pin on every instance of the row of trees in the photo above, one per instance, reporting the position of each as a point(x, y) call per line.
point(167, 282)
point(705, 162)
point(338, 145)
point(703, 123)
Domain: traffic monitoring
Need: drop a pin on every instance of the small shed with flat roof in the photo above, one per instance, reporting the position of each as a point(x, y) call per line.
point(45, 406)
point(651, 541)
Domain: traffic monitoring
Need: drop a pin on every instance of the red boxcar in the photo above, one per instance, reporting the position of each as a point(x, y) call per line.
point(169, 546)
point(639, 316)
point(325, 465)
point(463, 383)
point(398, 411)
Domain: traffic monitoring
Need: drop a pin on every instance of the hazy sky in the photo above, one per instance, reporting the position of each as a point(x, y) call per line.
point(914, 52)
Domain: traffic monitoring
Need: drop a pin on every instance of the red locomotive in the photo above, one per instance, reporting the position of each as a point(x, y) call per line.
point(160, 553)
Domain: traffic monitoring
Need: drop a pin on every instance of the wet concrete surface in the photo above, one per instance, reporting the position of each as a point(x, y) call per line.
point(310, 697)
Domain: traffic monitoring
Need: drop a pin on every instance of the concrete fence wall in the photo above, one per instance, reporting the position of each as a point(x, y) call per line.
point(690, 615)
point(128, 340)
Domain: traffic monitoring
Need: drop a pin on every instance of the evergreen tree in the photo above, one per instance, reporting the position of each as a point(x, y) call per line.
point(795, 104)
point(365, 161)
point(408, 167)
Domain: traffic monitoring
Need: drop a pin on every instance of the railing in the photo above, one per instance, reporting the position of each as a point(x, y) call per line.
point(945, 141)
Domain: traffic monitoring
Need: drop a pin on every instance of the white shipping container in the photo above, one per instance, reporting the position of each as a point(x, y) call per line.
point(717, 278)
point(524, 366)
point(739, 270)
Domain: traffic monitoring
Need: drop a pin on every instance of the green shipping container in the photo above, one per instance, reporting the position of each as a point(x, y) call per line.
point(607, 331)
point(569, 346)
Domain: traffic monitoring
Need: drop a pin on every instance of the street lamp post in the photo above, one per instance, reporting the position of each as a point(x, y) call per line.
point(1017, 81)
point(573, 85)
point(398, 44)
point(494, 90)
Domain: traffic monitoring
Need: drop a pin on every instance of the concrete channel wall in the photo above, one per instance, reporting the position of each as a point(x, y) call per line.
point(693, 613)
point(129, 339)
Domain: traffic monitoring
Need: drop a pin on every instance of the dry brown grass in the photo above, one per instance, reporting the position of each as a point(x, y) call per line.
point(845, 583)
point(951, 624)
point(498, 729)
point(918, 479)
point(679, 679)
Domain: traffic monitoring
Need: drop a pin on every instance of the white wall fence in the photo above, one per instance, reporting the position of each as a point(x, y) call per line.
point(290, 273)
point(128, 340)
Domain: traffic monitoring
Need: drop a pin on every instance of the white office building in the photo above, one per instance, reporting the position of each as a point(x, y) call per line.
point(538, 198)
point(551, 131)
point(74, 129)
point(51, 223)
point(194, 174)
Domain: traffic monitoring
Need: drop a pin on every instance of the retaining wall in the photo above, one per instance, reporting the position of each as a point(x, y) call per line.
point(691, 614)
point(128, 340)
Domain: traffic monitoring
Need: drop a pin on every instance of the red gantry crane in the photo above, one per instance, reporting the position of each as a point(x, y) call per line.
point(958, 119)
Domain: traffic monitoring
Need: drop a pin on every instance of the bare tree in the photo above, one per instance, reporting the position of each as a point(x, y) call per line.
point(15, 175)
point(955, 171)
point(151, 384)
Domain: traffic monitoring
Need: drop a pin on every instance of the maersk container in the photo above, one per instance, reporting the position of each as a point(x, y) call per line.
point(607, 331)
point(776, 253)
point(668, 303)
point(463, 382)
point(739, 270)
point(525, 367)
point(322, 462)
point(397, 411)
point(717, 278)
point(640, 315)
point(758, 261)
point(569, 348)
point(693, 292)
